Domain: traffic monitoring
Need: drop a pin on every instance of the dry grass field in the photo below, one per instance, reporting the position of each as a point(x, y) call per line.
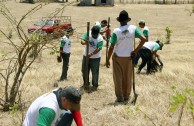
point(98, 108)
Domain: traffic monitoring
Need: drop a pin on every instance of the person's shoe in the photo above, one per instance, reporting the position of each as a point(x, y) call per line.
point(94, 88)
point(138, 71)
point(119, 100)
point(148, 72)
point(60, 80)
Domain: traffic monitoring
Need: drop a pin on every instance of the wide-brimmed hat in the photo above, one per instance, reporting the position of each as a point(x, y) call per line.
point(72, 94)
point(123, 17)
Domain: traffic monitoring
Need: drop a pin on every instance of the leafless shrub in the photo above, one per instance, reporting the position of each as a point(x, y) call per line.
point(14, 64)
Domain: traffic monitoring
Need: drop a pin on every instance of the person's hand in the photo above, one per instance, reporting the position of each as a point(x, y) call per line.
point(133, 54)
point(107, 63)
point(90, 54)
point(59, 59)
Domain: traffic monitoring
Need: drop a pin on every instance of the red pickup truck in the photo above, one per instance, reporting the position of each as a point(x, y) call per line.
point(54, 25)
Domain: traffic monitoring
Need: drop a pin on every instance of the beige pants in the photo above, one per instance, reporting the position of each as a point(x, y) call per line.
point(122, 76)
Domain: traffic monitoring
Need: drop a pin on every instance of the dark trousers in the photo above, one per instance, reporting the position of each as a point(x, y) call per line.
point(146, 56)
point(136, 59)
point(93, 65)
point(65, 67)
point(65, 120)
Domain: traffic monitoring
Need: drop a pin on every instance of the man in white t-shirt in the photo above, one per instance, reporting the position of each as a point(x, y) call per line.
point(56, 108)
point(65, 51)
point(122, 44)
point(148, 54)
point(95, 46)
point(145, 30)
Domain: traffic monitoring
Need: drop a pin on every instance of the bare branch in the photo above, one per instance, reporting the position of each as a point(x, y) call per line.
point(181, 113)
point(11, 42)
point(3, 76)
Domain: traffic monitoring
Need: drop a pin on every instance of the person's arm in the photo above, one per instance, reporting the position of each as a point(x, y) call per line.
point(77, 117)
point(113, 40)
point(154, 51)
point(139, 35)
point(154, 55)
point(61, 47)
point(99, 47)
point(159, 59)
point(146, 34)
point(84, 39)
point(45, 117)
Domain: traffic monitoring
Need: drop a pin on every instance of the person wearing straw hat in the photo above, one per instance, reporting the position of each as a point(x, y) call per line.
point(122, 43)
point(56, 108)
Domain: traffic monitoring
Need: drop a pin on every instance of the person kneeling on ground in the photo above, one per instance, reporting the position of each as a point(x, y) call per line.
point(57, 108)
point(148, 54)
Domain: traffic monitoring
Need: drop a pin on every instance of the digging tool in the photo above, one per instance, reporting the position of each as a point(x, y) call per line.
point(135, 94)
point(107, 39)
point(87, 59)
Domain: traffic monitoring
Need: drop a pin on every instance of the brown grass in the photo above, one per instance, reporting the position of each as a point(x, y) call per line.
point(154, 91)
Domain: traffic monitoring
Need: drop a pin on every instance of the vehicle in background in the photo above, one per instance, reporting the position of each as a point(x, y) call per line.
point(54, 26)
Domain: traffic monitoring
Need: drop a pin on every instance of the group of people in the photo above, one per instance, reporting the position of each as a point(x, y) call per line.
point(61, 106)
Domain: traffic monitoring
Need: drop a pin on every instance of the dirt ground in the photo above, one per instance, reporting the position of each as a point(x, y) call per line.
point(98, 108)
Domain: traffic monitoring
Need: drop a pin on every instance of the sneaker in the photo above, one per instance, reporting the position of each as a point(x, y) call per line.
point(60, 80)
point(138, 71)
point(94, 88)
point(119, 100)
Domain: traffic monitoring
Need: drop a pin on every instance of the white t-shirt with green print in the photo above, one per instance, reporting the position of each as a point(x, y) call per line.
point(93, 44)
point(66, 44)
point(123, 38)
point(152, 46)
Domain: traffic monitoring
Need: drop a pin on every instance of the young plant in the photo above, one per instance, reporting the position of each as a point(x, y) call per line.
point(193, 8)
point(180, 100)
point(168, 34)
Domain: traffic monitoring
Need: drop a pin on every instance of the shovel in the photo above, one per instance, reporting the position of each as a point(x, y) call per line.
point(135, 94)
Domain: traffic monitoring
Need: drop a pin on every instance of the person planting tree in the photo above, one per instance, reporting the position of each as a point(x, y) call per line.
point(56, 108)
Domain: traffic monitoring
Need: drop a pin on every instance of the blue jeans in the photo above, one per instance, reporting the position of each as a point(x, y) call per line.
point(66, 119)
point(93, 65)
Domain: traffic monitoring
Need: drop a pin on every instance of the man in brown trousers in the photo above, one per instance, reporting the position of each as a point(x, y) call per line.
point(122, 43)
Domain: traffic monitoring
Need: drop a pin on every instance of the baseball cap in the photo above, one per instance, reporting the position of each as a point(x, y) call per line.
point(161, 44)
point(70, 29)
point(142, 22)
point(72, 94)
